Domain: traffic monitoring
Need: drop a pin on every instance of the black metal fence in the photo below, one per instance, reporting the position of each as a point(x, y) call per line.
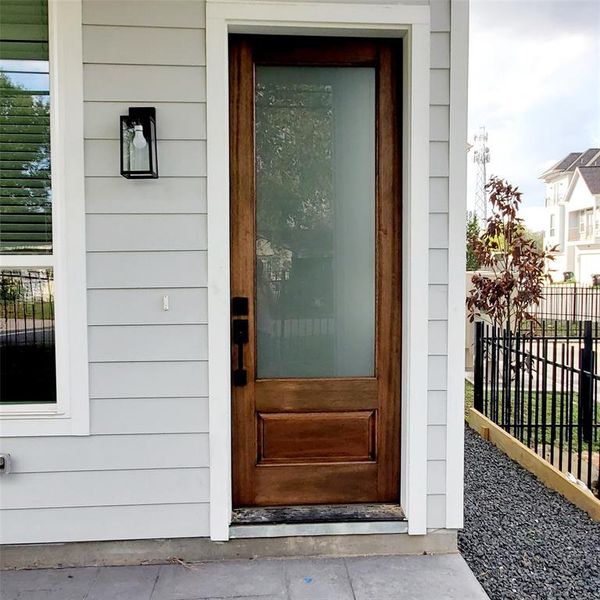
point(570, 302)
point(540, 385)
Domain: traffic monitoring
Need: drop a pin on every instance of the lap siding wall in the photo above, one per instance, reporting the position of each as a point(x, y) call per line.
point(143, 472)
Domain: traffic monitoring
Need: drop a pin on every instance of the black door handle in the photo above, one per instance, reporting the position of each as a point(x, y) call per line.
point(239, 336)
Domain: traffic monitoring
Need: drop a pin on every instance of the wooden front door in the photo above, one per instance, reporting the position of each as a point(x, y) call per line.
point(315, 269)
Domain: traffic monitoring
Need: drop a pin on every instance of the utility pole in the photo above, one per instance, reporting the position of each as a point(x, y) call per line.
point(481, 157)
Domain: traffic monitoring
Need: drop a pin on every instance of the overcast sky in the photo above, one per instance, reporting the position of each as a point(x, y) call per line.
point(534, 83)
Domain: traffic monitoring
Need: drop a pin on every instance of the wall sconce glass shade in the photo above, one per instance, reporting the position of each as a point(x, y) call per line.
point(139, 158)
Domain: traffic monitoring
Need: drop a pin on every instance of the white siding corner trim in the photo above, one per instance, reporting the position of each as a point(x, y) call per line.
point(400, 20)
point(459, 51)
point(70, 415)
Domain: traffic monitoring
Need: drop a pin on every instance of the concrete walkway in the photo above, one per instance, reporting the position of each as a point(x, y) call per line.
point(445, 577)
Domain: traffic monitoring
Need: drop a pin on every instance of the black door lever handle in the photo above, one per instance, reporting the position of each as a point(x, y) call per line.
point(239, 335)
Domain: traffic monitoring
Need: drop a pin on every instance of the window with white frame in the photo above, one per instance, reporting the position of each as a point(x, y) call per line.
point(28, 366)
point(42, 238)
point(552, 225)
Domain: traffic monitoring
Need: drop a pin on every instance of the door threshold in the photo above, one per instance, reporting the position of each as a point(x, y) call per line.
point(317, 519)
point(317, 513)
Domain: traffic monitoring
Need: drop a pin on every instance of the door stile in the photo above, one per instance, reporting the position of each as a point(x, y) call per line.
point(243, 225)
point(388, 303)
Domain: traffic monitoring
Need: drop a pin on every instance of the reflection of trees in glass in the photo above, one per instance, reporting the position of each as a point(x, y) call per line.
point(26, 202)
point(295, 190)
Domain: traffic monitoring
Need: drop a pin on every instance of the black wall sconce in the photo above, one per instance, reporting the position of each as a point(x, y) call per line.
point(139, 158)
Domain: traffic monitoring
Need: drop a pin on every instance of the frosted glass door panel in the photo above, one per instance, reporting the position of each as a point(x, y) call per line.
point(315, 221)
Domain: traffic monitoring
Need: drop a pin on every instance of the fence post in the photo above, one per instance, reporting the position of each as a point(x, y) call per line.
point(586, 365)
point(478, 392)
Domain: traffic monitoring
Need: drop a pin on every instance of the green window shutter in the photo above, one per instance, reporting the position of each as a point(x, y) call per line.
point(25, 194)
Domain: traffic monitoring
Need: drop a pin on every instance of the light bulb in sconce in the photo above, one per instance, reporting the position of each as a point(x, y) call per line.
point(139, 141)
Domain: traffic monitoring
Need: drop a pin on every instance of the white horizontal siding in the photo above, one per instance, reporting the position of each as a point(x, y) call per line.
point(438, 372)
point(439, 136)
point(110, 452)
point(438, 230)
point(142, 343)
point(176, 158)
point(438, 266)
point(436, 442)
point(148, 380)
point(438, 338)
point(438, 159)
point(436, 511)
point(136, 270)
point(105, 488)
point(438, 302)
point(174, 120)
point(440, 50)
point(39, 525)
point(438, 194)
point(144, 83)
point(440, 15)
point(110, 416)
point(143, 45)
point(439, 123)
point(436, 407)
point(110, 233)
point(145, 306)
point(170, 13)
point(440, 87)
point(436, 477)
point(143, 471)
point(116, 195)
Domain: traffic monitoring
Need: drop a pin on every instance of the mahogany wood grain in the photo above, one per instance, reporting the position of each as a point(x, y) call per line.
point(300, 395)
point(316, 437)
point(330, 440)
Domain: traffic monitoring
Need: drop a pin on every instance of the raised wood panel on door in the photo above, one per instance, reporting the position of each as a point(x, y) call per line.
point(306, 437)
point(327, 440)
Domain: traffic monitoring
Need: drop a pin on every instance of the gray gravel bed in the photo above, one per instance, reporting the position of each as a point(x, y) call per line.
point(522, 540)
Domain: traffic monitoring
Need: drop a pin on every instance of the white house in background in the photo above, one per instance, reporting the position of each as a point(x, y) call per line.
point(196, 377)
point(573, 211)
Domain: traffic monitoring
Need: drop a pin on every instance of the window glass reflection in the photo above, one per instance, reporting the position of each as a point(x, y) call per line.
point(27, 361)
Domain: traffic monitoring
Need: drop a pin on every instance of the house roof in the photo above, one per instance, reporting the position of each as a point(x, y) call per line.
point(591, 157)
point(584, 159)
point(566, 162)
point(591, 176)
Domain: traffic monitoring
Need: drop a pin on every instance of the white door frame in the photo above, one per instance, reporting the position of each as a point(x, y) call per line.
point(308, 18)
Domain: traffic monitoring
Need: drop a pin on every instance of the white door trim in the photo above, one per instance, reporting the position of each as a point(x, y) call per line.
point(361, 20)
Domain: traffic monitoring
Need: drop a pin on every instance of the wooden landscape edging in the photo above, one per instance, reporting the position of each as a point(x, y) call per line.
point(549, 475)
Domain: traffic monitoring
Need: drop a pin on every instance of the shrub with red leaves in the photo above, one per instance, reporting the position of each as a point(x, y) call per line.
point(513, 265)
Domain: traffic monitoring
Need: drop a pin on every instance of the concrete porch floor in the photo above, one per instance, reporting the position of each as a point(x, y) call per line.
point(442, 577)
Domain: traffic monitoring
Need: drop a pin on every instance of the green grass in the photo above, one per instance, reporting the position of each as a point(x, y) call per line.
point(27, 310)
point(547, 431)
point(469, 396)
